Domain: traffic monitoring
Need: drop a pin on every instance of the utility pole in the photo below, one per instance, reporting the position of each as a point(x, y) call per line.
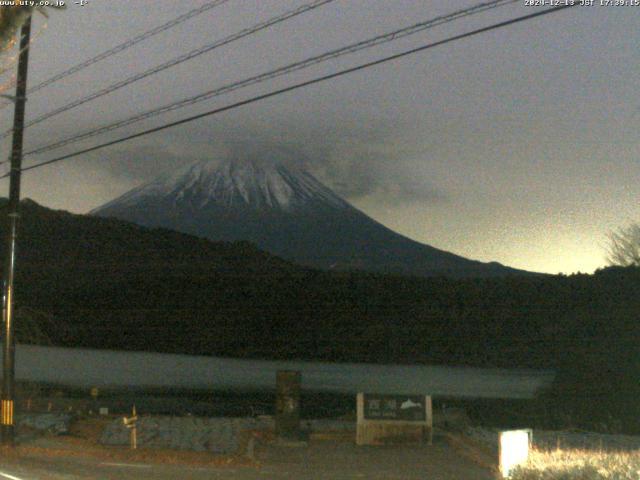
point(7, 425)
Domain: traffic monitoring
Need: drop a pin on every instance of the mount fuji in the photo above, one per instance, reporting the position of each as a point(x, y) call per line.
point(286, 211)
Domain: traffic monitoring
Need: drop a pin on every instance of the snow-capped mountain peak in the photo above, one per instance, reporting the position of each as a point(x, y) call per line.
point(265, 198)
point(240, 181)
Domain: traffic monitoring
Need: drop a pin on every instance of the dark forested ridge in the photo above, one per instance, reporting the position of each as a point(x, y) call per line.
point(110, 284)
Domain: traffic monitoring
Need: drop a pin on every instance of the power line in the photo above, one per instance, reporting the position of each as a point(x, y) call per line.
point(362, 45)
point(125, 45)
point(297, 86)
point(176, 61)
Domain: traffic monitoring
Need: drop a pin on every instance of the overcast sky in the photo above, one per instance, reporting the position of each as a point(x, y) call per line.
point(518, 146)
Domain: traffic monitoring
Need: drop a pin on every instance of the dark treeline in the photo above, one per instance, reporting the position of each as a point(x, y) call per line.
point(109, 284)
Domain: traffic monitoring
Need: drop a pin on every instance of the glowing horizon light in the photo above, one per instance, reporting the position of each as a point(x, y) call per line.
point(514, 450)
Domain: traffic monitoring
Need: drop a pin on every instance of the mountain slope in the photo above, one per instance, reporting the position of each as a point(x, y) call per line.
point(285, 211)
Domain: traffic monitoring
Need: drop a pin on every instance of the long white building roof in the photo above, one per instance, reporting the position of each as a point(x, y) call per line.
point(105, 368)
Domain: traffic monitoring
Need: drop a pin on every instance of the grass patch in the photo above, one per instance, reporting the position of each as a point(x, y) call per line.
point(580, 465)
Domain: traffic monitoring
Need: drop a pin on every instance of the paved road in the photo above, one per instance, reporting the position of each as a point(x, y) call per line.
point(321, 460)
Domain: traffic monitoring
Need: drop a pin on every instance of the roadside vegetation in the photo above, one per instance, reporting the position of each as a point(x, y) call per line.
point(580, 465)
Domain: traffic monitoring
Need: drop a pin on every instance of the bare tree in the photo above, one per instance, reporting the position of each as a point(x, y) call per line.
point(11, 19)
point(624, 246)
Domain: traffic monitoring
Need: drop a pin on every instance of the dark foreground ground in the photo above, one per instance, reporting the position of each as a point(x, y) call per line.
point(57, 459)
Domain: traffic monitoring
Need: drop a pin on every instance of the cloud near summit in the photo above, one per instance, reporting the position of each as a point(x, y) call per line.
point(352, 166)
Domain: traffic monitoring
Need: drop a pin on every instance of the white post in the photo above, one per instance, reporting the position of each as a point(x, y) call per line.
point(514, 450)
point(429, 417)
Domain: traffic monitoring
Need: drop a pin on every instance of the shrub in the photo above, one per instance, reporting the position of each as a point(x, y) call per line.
point(580, 465)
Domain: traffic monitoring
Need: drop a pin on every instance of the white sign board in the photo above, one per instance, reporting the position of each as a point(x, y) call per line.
point(514, 450)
